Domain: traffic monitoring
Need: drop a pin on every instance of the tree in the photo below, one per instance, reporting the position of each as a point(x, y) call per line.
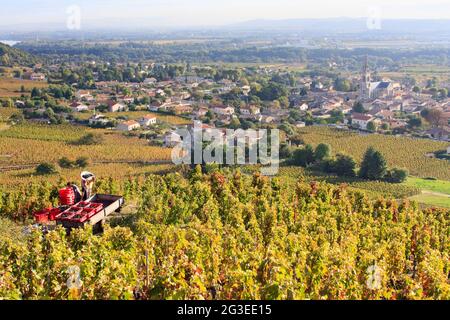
point(285, 151)
point(89, 139)
point(416, 89)
point(303, 156)
point(443, 93)
point(373, 166)
point(415, 122)
point(35, 93)
point(46, 169)
point(82, 162)
point(65, 163)
point(344, 165)
point(371, 126)
point(8, 103)
point(434, 117)
point(272, 91)
point(397, 175)
point(359, 107)
point(342, 85)
point(322, 152)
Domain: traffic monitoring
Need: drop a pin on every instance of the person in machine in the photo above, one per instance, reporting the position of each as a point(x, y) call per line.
point(87, 184)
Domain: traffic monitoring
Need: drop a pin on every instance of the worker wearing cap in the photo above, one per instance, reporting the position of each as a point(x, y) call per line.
point(87, 184)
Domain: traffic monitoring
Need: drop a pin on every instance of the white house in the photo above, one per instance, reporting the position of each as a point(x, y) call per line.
point(224, 110)
point(116, 106)
point(84, 95)
point(250, 110)
point(98, 119)
point(160, 93)
point(37, 77)
point(78, 107)
point(147, 120)
point(361, 120)
point(128, 126)
point(303, 107)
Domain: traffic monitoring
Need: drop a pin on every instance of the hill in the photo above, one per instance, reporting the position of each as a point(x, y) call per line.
point(10, 57)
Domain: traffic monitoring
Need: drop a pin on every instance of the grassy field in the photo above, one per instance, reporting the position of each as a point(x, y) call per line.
point(432, 200)
point(11, 87)
point(438, 186)
point(399, 151)
point(434, 192)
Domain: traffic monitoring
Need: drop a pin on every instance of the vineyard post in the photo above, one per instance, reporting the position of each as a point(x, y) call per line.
point(146, 265)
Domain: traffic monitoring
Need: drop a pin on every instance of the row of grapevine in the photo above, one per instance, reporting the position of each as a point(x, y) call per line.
point(230, 236)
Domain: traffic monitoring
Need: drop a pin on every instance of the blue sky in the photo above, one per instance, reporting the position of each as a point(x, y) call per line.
point(178, 13)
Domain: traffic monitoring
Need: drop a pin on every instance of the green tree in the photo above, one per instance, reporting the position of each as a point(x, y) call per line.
point(322, 152)
point(415, 122)
point(344, 165)
point(373, 166)
point(82, 162)
point(90, 139)
point(303, 156)
point(371, 126)
point(65, 163)
point(397, 175)
point(46, 169)
point(359, 107)
point(342, 85)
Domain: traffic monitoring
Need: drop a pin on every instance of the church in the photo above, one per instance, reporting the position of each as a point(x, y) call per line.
point(372, 90)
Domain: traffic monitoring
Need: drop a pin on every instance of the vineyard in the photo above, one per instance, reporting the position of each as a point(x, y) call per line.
point(231, 236)
point(12, 87)
point(31, 144)
point(399, 151)
point(374, 189)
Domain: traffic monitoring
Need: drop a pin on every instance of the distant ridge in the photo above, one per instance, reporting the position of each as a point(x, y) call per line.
point(347, 25)
point(10, 57)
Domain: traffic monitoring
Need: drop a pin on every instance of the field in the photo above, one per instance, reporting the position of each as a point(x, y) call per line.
point(437, 186)
point(399, 151)
point(11, 87)
point(434, 200)
point(116, 156)
point(434, 192)
point(421, 72)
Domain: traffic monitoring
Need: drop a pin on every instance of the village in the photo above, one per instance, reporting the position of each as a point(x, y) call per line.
point(358, 103)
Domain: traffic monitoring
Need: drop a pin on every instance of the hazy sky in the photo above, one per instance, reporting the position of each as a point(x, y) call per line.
point(209, 12)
